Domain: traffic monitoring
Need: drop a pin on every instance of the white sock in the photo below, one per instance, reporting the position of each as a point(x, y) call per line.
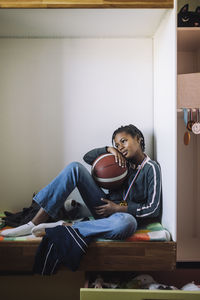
point(36, 230)
point(18, 231)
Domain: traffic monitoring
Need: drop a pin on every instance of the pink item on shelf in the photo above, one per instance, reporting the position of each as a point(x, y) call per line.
point(188, 90)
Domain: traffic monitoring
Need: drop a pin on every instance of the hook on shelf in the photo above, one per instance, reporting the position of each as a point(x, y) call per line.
point(192, 123)
point(188, 109)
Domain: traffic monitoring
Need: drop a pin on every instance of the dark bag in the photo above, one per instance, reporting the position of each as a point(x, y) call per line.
point(26, 215)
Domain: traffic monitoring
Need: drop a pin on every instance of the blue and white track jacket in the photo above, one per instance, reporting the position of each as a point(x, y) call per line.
point(144, 198)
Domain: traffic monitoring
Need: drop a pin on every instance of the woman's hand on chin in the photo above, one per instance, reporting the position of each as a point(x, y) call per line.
point(118, 156)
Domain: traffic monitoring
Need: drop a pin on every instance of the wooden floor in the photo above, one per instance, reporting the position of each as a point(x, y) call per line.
point(18, 256)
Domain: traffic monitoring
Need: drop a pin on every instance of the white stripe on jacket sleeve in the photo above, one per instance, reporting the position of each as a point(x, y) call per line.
point(148, 206)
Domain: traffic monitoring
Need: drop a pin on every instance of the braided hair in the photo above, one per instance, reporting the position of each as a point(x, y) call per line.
point(133, 131)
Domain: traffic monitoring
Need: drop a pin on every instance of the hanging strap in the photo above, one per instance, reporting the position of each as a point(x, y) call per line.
point(124, 203)
point(185, 114)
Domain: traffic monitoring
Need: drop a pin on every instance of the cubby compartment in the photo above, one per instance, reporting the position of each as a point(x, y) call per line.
point(188, 48)
point(127, 285)
point(188, 67)
point(69, 78)
point(188, 156)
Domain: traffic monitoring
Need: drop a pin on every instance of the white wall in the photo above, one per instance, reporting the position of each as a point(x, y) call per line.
point(165, 115)
point(62, 97)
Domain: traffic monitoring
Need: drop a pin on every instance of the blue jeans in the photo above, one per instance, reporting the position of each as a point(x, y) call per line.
point(52, 197)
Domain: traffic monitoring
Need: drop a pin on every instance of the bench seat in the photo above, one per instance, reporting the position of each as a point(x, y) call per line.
point(18, 256)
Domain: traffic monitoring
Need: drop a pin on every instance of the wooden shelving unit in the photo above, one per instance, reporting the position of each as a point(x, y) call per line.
point(188, 233)
point(156, 37)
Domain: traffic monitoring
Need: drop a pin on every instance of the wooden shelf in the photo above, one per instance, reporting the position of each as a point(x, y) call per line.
point(130, 256)
point(86, 4)
point(18, 256)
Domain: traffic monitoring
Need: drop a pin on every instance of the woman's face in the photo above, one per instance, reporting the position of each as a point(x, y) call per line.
point(128, 146)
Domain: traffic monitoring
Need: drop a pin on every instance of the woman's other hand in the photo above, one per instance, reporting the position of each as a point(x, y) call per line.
point(107, 209)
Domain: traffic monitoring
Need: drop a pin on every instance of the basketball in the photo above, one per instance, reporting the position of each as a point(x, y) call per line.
point(107, 173)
